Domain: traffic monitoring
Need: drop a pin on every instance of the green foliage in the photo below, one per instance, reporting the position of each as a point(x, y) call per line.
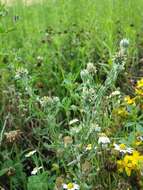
point(40, 182)
point(64, 76)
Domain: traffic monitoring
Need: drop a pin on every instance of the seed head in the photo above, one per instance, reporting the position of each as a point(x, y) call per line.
point(124, 43)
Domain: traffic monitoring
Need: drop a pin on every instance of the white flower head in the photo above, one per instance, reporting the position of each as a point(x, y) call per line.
point(35, 170)
point(44, 100)
point(47, 100)
point(84, 74)
point(71, 186)
point(91, 68)
point(123, 148)
point(124, 43)
point(103, 140)
point(29, 154)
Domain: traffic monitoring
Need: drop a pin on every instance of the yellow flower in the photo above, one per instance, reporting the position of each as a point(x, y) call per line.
point(129, 169)
point(122, 112)
point(136, 155)
point(120, 165)
point(139, 91)
point(140, 83)
point(130, 163)
point(129, 100)
point(137, 143)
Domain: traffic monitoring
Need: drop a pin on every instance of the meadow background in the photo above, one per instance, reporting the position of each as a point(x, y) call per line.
point(65, 83)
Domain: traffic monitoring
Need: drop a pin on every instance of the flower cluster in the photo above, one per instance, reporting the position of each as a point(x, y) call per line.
point(130, 163)
point(103, 140)
point(129, 100)
point(13, 136)
point(90, 70)
point(46, 100)
point(21, 73)
point(139, 87)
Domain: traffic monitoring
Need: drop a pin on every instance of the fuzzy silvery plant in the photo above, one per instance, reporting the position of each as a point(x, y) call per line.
point(93, 94)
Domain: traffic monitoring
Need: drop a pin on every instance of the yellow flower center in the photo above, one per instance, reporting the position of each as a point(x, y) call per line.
point(122, 146)
point(70, 185)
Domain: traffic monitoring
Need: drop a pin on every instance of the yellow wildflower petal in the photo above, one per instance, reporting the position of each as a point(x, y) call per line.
point(129, 100)
point(128, 171)
point(139, 92)
point(136, 154)
point(140, 83)
point(127, 158)
point(137, 143)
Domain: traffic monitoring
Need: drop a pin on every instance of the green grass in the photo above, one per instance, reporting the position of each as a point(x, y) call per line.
point(54, 41)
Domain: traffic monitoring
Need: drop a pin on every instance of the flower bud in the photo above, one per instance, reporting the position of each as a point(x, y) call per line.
point(124, 43)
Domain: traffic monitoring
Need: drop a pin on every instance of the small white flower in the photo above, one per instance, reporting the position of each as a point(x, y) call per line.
point(73, 121)
point(103, 140)
point(123, 149)
point(35, 170)
point(71, 186)
point(29, 154)
point(124, 43)
point(115, 93)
